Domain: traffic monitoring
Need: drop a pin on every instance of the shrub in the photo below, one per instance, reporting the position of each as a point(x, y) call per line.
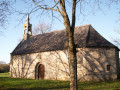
point(4, 68)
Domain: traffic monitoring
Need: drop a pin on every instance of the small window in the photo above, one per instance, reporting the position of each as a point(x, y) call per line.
point(108, 67)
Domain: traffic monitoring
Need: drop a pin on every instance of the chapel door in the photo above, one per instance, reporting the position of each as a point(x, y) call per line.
point(41, 71)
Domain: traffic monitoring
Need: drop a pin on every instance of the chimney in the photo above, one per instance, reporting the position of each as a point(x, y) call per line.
point(27, 29)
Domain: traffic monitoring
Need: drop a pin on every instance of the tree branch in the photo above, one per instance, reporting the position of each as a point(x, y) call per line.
point(73, 13)
point(78, 1)
point(64, 13)
point(47, 8)
point(56, 5)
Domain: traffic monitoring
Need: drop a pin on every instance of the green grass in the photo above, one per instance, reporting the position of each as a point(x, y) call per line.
point(23, 84)
point(4, 74)
point(9, 83)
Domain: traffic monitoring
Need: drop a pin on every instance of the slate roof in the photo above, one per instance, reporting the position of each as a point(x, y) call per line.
point(85, 36)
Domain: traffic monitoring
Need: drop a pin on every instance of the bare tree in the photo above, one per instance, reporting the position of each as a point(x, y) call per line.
point(41, 28)
point(60, 7)
point(117, 40)
point(5, 6)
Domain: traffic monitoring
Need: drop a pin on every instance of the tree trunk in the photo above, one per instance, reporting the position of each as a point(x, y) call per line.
point(72, 57)
point(71, 46)
point(72, 61)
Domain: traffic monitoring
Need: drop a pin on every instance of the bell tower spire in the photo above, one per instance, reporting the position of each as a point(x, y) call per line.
point(27, 29)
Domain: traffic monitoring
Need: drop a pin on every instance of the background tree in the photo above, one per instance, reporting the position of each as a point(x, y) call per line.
point(41, 28)
point(117, 40)
point(4, 68)
point(5, 11)
point(2, 62)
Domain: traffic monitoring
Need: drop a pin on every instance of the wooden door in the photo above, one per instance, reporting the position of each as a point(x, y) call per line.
point(41, 71)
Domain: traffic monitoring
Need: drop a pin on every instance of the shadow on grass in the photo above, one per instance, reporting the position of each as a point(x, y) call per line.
point(30, 84)
point(52, 88)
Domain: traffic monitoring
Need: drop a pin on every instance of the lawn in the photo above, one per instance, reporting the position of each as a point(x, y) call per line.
point(23, 84)
point(4, 74)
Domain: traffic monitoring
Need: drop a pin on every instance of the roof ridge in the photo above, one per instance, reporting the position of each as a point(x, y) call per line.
point(63, 29)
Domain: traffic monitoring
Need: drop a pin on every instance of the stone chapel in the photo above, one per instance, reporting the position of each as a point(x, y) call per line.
point(45, 56)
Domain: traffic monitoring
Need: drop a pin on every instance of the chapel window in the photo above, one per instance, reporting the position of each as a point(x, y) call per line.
point(108, 67)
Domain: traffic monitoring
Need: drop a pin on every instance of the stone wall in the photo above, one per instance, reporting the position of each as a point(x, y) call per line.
point(55, 62)
point(93, 64)
point(98, 64)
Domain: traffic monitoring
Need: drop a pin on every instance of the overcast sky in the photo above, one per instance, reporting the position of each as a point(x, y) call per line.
point(104, 23)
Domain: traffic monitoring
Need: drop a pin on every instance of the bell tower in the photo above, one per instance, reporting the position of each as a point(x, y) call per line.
point(27, 29)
